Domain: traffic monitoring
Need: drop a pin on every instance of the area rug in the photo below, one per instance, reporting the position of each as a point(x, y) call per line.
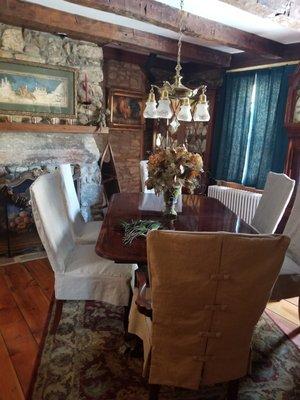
point(86, 360)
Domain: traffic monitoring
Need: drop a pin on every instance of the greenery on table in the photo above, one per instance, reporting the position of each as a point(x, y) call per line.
point(138, 228)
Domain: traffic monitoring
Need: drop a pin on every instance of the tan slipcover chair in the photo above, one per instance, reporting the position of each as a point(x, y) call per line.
point(208, 291)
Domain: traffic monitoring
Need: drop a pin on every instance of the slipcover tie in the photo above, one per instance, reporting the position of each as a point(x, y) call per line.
point(220, 277)
point(215, 335)
point(215, 307)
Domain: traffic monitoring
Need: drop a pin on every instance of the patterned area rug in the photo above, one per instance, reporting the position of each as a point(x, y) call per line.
point(85, 360)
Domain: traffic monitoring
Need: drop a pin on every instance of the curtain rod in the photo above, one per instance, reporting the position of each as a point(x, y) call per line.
point(274, 65)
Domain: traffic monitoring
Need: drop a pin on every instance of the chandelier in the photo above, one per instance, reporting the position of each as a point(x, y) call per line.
point(176, 99)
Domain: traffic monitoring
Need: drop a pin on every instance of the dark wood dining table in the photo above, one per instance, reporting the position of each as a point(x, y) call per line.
point(196, 214)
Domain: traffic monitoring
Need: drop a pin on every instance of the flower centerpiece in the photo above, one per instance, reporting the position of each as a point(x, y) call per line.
point(171, 169)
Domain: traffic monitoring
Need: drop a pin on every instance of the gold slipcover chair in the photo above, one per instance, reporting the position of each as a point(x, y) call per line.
point(208, 291)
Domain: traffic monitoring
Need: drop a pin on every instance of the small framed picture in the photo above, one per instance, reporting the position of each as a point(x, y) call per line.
point(126, 109)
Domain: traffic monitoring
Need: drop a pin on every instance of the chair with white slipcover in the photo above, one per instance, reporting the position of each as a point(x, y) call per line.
point(83, 232)
point(288, 282)
point(275, 198)
point(144, 176)
point(80, 274)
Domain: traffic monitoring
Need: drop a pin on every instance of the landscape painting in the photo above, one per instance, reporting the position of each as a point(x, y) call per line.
point(27, 89)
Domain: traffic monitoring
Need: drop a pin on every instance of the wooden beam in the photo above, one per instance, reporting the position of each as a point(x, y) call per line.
point(162, 15)
point(112, 53)
point(33, 16)
point(291, 53)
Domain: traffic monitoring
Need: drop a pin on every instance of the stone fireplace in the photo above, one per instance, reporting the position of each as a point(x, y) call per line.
point(31, 153)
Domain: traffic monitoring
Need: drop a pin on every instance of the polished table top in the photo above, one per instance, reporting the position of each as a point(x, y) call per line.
point(196, 213)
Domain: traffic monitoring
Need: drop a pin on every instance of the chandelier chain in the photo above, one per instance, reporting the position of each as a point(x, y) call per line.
point(181, 26)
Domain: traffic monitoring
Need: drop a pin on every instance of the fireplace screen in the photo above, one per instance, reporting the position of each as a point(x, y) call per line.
point(18, 234)
point(17, 229)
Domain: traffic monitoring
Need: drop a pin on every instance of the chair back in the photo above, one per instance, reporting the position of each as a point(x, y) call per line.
point(275, 198)
point(208, 291)
point(292, 229)
point(70, 198)
point(109, 178)
point(51, 219)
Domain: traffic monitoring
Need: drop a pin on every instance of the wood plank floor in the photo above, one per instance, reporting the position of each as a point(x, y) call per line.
point(26, 290)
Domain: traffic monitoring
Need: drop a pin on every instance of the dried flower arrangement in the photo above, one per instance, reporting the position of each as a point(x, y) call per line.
point(173, 168)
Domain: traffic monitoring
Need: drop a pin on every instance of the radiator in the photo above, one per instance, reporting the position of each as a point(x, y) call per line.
point(241, 202)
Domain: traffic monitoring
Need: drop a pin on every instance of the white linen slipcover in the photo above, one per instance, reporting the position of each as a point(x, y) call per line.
point(275, 198)
point(288, 282)
point(79, 273)
point(83, 232)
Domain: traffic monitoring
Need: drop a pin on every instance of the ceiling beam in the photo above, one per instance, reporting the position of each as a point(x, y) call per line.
point(112, 53)
point(291, 53)
point(33, 16)
point(212, 32)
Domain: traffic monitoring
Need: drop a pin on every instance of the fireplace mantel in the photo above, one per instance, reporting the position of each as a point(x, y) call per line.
point(46, 128)
point(24, 147)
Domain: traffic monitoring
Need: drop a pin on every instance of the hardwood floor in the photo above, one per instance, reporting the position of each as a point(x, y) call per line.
point(26, 290)
point(25, 295)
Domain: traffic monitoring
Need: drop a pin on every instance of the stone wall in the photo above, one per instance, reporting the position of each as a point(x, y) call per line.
point(30, 151)
point(126, 144)
point(46, 151)
point(27, 45)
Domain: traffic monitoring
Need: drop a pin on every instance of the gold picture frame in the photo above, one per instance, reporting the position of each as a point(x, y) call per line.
point(126, 109)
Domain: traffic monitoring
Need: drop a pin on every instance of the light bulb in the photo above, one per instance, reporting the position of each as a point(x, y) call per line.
point(164, 109)
point(201, 112)
point(185, 111)
point(150, 110)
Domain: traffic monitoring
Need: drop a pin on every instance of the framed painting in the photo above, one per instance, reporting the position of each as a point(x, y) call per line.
point(126, 109)
point(37, 89)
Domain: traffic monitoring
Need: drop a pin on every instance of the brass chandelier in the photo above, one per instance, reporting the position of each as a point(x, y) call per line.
point(177, 93)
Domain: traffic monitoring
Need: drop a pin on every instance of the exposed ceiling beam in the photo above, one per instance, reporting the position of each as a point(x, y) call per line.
point(33, 16)
point(162, 15)
point(112, 53)
point(291, 53)
point(271, 9)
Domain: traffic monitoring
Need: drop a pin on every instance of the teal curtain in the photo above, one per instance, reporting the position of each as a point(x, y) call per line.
point(267, 141)
point(232, 126)
point(250, 138)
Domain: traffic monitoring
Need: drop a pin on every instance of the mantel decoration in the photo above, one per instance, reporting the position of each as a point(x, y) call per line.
point(169, 170)
point(176, 99)
point(37, 90)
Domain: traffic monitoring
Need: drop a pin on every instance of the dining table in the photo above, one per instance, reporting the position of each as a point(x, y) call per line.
point(195, 213)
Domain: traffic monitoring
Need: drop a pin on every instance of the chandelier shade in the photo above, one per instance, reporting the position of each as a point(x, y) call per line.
point(185, 111)
point(201, 113)
point(164, 109)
